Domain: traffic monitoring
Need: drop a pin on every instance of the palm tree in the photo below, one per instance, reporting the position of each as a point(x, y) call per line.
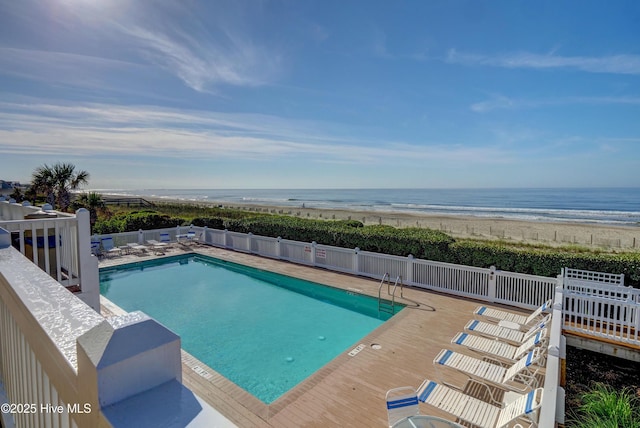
point(57, 182)
point(93, 202)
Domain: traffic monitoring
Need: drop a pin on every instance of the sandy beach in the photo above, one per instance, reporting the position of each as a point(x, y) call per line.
point(549, 233)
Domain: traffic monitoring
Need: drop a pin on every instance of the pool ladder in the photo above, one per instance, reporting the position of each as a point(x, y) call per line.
point(386, 305)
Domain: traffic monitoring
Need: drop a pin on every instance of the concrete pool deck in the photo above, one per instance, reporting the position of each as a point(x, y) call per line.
point(350, 390)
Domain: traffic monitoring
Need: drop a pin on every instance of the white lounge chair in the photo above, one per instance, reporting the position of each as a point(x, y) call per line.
point(185, 238)
point(134, 246)
point(510, 319)
point(109, 248)
point(156, 246)
point(401, 403)
point(515, 337)
point(476, 412)
point(498, 350)
point(520, 377)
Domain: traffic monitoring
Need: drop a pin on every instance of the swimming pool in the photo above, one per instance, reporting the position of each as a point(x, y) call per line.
point(263, 331)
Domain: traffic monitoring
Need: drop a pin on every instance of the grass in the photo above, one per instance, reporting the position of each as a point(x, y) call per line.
point(605, 407)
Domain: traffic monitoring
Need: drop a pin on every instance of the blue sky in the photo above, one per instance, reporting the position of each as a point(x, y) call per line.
point(322, 94)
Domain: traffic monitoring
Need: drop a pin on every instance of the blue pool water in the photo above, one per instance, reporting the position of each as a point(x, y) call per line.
point(263, 331)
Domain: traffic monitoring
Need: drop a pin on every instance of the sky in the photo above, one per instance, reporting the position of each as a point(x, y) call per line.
point(152, 94)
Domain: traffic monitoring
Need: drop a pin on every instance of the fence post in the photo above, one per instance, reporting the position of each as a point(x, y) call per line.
point(204, 235)
point(313, 253)
point(140, 236)
point(409, 272)
point(225, 240)
point(278, 250)
point(249, 241)
point(356, 261)
point(491, 289)
point(87, 262)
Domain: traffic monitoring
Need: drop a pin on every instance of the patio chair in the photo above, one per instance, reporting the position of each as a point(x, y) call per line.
point(520, 377)
point(494, 331)
point(109, 248)
point(510, 319)
point(95, 247)
point(476, 412)
point(134, 246)
point(156, 246)
point(401, 403)
point(165, 238)
point(184, 238)
point(498, 350)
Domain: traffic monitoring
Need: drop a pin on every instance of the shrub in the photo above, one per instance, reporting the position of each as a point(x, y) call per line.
point(604, 407)
point(137, 220)
point(543, 261)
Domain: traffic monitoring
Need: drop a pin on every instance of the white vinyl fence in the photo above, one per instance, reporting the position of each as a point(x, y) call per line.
point(598, 304)
point(519, 290)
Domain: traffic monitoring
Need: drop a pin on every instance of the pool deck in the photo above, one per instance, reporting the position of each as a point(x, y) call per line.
point(350, 390)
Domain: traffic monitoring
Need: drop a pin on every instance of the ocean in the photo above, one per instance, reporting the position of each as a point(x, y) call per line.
point(620, 206)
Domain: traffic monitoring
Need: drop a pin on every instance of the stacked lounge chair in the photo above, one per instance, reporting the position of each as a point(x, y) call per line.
point(510, 355)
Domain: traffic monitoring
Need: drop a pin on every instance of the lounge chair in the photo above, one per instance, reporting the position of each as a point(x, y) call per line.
point(498, 350)
point(476, 412)
point(511, 320)
point(109, 248)
point(401, 403)
point(165, 238)
point(494, 331)
point(183, 238)
point(134, 246)
point(520, 377)
point(95, 247)
point(156, 246)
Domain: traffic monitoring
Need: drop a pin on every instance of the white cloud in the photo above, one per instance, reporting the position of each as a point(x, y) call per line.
point(615, 64)
point(99, 129)
point(498, 102)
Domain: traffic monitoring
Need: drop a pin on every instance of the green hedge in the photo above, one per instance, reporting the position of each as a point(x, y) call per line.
point(136, 220)
point(421, 243)
point(543, 262)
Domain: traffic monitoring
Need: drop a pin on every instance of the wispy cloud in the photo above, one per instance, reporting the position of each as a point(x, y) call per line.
point(60, 67)
point(615, 64)
point(497, 102)
point(204, 53)
point(99, 129)
point(203, 64)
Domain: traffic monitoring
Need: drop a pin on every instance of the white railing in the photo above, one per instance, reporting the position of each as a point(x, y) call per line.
point(12, 211)
point(452, 279)
point(264, 246)
point(552, 410)
point(524, 291)
point(571, 275)
point(62, 363)
point(58, 244)
point(338, 259)
point(602, 310)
